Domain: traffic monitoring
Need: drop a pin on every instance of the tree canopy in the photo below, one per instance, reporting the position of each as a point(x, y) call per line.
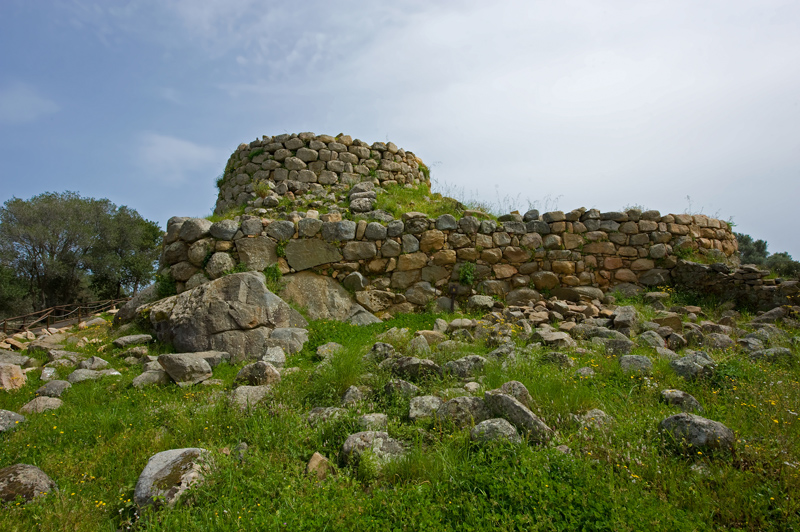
point(67, 248)
point(755, 252)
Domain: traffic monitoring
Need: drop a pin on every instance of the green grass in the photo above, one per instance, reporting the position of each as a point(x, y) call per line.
point(397, 199)
point(625, 477)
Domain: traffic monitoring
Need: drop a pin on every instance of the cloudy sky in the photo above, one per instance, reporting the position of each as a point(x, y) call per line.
point(680, 106)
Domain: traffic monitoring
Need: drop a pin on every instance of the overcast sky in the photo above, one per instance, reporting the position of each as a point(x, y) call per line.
point(676, 106)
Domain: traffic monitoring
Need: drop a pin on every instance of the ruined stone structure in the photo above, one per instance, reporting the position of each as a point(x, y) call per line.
point(307, 202)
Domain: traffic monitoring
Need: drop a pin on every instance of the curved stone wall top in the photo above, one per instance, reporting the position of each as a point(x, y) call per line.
point(260, 173)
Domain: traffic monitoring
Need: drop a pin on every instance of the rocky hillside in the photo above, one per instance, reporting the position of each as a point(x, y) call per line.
point(223, 408)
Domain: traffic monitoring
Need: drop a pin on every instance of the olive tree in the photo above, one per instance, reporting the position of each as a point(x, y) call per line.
point(58, 242)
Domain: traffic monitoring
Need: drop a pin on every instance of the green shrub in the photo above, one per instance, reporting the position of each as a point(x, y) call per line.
point(274, 277)
point(466, 273)
point(165, 285)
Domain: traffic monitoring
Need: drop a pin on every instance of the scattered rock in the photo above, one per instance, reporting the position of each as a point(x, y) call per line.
point(464, 411)
point(382, 448)
point(244, 397)
point(156, 377)
point(464, 367)
point(774, 354)
point(185, 369)
point(11, 377)
point(10, 420)
point(321, 415)
point(638, 364)
point(697, 433)
point(134, 339)
point(93, 363)
point(319, 466)
point(424, 406)
point(258, 374)
point(400, 388)
point(168, 475)
point(415, 368)
point(494, 430)
point(373, 422)
point(558, 358)
point(519, 415)
point(26, 481)
point(682, 399)
point(80, 375)
point(41, 404)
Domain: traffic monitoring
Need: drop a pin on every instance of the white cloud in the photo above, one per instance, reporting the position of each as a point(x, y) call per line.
point(21, 103)
point(173, 161)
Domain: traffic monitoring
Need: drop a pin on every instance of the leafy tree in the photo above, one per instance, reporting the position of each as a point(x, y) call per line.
point(755, 252)
point(13, 293)
point(53, 240)
point(122, 260)
point(783, 265)
point(751, 251)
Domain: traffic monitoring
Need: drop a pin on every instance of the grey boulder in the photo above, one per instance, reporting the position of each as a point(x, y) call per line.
point(496, 429)
point(168, 475)
point(26, 481)
point(697, 433)
point(185, 369)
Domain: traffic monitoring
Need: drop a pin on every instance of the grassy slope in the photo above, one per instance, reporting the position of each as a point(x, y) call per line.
point(625, 478)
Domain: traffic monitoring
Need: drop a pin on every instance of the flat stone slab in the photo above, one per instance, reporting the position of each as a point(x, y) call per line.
point(134, 339)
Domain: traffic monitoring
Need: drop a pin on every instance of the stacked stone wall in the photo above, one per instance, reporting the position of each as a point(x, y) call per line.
point(747, 285)
point(411, 261)
point(262, 172)
point(309, 203)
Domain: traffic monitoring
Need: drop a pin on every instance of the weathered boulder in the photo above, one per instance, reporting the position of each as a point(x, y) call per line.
point(464, 411)
point(26, 481)
point(244, 397)
point(93, 363)
point(258, 374)
point(697, 433)
point(465, 367)
point(415, 368)
point(168, 475)
point(424, 406)
point(156, 377)
point(518, 391)
point(10, 420)
point(235, 314)
point(637, 364)
point(322, 297)
point(133, 339)
point(774, 354)
point(506, 406)
point(494, 430)
point(11, 377)
point(321, 415)
point(554, 338)
point(376, 421)
point(682, 399)
point(41, 404)
point(382, 448)
point(80, 375)
point(400, 388)
point(128, 311)
point(185, 369)
point(694, 365)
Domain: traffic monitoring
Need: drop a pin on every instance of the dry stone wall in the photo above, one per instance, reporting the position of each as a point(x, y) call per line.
point(259, 174)
point(403, 264)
